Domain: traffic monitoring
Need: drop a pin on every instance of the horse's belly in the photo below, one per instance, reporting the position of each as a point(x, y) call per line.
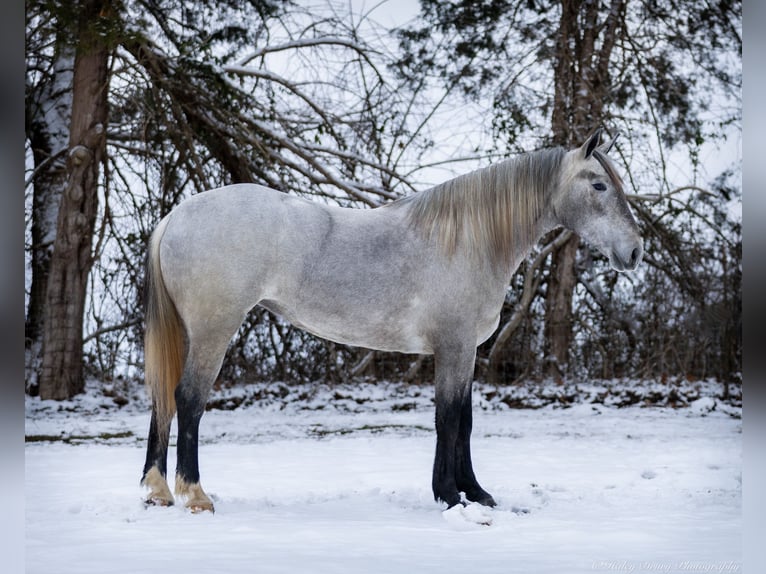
point(364, 330)
point(399, 344)
point(487, 329)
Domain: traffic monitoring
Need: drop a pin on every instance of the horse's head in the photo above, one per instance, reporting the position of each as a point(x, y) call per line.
point(591, 202)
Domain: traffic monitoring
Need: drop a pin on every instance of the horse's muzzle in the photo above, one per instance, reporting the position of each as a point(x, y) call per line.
point(627, 261)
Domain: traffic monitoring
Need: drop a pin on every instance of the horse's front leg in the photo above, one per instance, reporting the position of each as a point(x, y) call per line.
point(453, 471)
point(464, 475)
point(447, 425)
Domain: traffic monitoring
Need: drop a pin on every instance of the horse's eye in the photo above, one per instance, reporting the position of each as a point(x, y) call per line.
point(598, 186)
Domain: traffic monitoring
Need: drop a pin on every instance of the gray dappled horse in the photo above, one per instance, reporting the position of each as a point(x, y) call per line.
point(426, 274)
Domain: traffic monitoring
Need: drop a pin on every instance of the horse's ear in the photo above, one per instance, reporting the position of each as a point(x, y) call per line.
point(590, 145)
point(604, 148)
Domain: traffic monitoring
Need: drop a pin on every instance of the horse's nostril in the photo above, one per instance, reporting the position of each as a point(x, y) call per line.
point(634, 255)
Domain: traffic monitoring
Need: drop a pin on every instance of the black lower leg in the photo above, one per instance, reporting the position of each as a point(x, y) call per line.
point(443, 482)
point(454, 364)
point(190, 407)
point(464, 475)
point(157, 446)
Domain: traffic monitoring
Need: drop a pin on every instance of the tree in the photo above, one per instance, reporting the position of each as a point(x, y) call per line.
point(581, 83)
point(556, 70)
point(61, 371)
point(48, 109)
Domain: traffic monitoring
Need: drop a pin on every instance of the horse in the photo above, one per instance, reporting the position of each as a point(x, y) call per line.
point(425, 274)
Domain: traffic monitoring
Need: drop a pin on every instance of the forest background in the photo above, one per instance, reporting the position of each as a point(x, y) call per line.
point(131, 106)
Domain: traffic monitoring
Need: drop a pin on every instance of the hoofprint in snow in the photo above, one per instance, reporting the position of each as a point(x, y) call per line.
point(314, 478)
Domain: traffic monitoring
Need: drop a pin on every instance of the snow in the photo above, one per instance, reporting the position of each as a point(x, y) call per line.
point(337, 479)
point(472, 516)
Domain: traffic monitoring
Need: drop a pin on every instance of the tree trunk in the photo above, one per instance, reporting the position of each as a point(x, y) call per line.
point(558, 308)
point(61, 375)
point(531, 284)
point(581, 82)
point(48, 110)
point(562, 279)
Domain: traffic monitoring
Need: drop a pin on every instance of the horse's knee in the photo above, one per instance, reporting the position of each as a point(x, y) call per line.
point(195, 497)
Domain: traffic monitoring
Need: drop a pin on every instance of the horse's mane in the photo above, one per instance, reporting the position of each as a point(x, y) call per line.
point(493, 209)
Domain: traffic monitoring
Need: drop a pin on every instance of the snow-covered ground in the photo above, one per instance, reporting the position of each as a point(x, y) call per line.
point(337, 479)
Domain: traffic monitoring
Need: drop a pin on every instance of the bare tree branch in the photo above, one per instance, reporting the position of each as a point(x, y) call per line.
point(531, 281)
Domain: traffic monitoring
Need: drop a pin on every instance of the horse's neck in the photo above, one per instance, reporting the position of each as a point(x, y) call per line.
point(495, 215)
point(528, 228)
point(525, 243)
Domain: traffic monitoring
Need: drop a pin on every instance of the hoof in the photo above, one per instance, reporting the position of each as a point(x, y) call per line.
point(158, 501)
point(159, 493)
point(485, 501)
point(199, 506)
point(481, 497)
point(450, 501)
point(196, 499)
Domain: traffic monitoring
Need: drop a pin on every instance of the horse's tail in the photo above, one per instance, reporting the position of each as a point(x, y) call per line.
point(163, 337)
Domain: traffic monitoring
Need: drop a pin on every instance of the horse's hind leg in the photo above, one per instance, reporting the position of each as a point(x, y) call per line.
point(155, 469)
point(207, 348)
point(191, 396)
